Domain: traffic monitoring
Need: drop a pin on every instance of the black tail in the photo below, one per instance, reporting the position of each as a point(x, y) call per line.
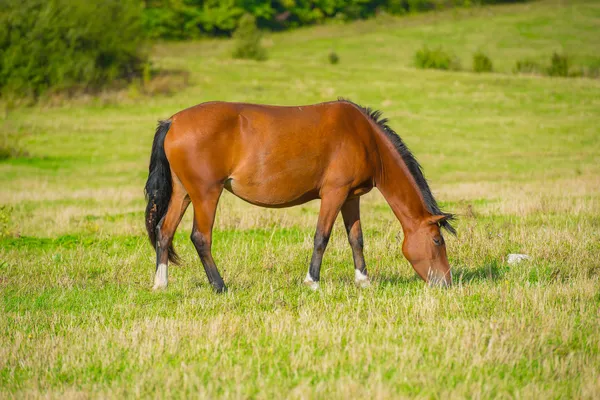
point(159, 186)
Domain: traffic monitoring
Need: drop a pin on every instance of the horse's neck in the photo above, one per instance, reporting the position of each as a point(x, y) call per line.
point(399, 188)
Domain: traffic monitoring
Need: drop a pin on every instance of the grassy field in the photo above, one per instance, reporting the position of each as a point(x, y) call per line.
point(517, 157)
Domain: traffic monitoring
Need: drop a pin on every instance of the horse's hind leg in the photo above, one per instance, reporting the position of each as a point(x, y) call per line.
point(205, 209)
point(165, 232)
point(351, 215)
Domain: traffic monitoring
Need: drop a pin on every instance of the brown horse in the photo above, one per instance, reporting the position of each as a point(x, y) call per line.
point(275, 156)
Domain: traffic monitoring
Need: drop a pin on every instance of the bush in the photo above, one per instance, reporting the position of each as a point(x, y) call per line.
point(426, 58)
point(5, 221)
point(10, 146)
point(248, 40)
point(68, 45)
point(559, 65)
point(527, 67)
point(333, 58)
point(482, 63)
point(8, 151)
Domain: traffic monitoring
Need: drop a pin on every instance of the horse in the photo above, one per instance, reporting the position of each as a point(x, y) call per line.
point(283, 156)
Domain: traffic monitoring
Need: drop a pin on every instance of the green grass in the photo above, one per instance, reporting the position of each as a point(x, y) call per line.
point(517, 157)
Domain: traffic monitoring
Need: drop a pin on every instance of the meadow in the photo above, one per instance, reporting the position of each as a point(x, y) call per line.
point(517, 157)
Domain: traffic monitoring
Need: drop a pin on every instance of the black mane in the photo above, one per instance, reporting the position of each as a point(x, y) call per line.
point(411, 163)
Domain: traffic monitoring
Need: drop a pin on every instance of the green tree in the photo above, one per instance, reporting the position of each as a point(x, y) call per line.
point(248, 40)
point(63, 44)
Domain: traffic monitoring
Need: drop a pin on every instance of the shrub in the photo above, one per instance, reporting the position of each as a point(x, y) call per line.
point(527, 67)
point(435, 59)
point(482, 63)
point(333, 58)
point(7, 151)
point(67, 45)
point(10, 147)
point(5, 222)
point(248, 40)
point(559, 65)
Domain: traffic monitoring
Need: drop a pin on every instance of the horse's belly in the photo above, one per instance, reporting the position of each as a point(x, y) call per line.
point(273, 192)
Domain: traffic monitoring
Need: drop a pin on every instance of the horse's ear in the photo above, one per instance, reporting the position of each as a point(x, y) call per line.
point(437, 219)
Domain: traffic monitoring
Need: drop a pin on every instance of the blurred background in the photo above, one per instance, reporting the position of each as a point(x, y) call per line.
point(71, 46)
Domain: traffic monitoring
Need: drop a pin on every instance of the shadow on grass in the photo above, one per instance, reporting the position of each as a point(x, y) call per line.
point(396, 280)
point(490, 270)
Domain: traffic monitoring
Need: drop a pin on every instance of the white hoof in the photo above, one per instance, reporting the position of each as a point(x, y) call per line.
point(363, 284)
point(308, 281)
point(361, 279)
point(160, 279)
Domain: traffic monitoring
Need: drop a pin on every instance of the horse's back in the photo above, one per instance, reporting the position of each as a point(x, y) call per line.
point(270, 155)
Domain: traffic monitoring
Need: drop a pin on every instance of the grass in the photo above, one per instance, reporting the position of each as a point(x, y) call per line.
point(517, 157)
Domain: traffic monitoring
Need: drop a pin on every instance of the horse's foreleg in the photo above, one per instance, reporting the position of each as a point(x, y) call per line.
point(330, 207)
point(204, 217)
point(165, 232)
point(351, 215)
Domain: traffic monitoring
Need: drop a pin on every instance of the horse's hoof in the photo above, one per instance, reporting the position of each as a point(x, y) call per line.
point(312, 284)
point(161, 277)
point(220, 289)
point(361, 280)
point(363, 284)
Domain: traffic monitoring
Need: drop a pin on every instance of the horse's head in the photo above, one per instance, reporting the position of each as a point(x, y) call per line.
point(425, 249)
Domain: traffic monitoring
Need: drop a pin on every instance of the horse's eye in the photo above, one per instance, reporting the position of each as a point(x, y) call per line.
point(438, 241)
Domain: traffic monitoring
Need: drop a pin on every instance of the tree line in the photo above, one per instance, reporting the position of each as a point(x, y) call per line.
point(74, 45)
point(187, 19)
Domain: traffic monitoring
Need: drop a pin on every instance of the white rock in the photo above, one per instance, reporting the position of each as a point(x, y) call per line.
point(516, 258)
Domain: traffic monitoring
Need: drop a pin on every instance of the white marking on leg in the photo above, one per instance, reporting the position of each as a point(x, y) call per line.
point(161, 277)
point(362, 280)
point(309, 281)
